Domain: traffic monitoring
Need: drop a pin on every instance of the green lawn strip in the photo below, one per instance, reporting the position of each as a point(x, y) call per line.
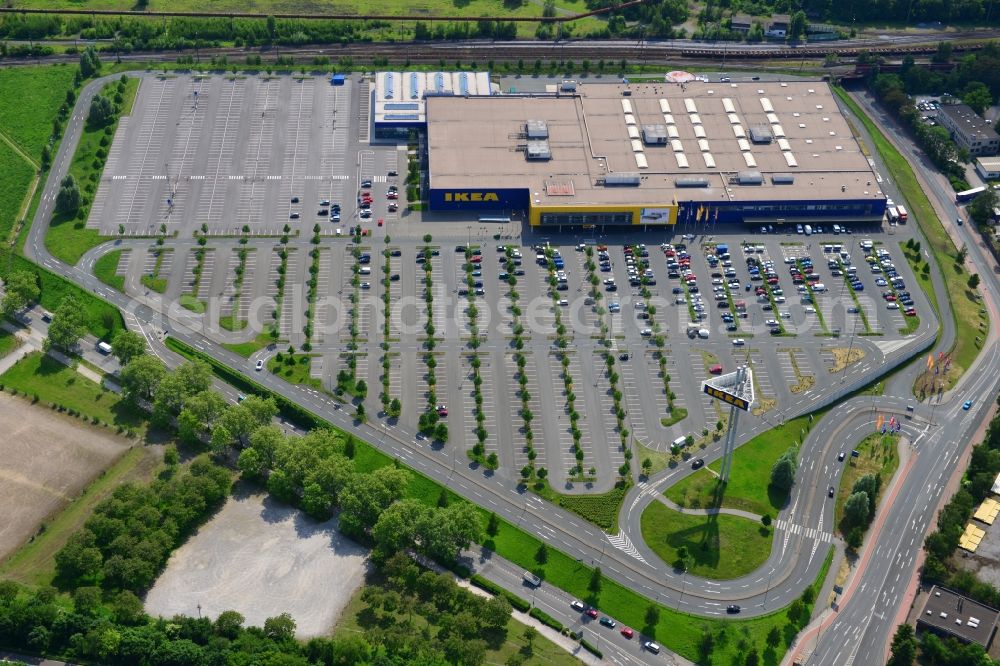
point(857, 302)
point(658, 459)
point(965, 310)
point(41, 375)
point(677, 415)
point(601, 510)
point(812, 297)
point(751, 473)
point(719, 547)
point(878, 456)
point(296, 371)
point(917, 263)
point(34, 563)
point(154, 281)
point(103, 319)
point(105, 270)
point(17, 177)
point(8, 342)
point(29, 98)
point(543, 651)
point(677, 631)
point(246, 349)
point(68, 237)
point(191, 303)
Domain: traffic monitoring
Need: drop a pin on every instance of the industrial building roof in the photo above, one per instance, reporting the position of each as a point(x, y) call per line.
point(399, 96)
point(970, 123)
point(477, 143)
point(959, 616)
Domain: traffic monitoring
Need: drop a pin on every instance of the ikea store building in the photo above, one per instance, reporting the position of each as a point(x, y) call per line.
point(602, 155)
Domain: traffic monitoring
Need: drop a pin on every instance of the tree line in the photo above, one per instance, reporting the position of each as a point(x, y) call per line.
point(934, 650)
point(984, 465)
point(878, 11)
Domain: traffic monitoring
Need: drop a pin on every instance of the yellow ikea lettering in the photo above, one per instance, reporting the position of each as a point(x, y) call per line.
point(471, 196)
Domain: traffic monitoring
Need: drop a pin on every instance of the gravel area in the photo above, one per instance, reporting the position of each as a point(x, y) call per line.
point(262, 558)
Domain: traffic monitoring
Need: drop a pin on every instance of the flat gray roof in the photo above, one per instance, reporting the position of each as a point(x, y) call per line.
point(954, 614)
point(479, 142)
point(970, 123)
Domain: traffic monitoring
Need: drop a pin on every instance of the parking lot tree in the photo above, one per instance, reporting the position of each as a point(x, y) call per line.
point(127, 345)
point(68, 198)
point(67, 327)
point(141, 376)
point(101, 111)
point(973, 282)
point(20, 289)
point(783, 471)
point(856, 508)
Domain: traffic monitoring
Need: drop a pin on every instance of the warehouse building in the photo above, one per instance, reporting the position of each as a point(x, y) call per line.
point(651, 154)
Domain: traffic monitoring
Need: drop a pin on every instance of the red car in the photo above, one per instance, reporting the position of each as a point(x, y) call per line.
point(627, 632)
point(476, 259)
point(591, 612)
point(716, 369)
point(380, 221)
point(602, 248)
point(442, 410)
point(910, 312)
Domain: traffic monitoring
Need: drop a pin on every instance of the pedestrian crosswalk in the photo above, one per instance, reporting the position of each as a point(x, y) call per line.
point(808, 532)
point(624, 544)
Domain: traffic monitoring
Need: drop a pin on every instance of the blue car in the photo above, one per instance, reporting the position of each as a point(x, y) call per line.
point(966, 405)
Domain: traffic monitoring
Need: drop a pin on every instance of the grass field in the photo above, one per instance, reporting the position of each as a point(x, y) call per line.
point(34, 563)
point(719, 547)
point(751, 473)
point(964, 307)
point(68, 238)
point(296, 372)
point(324, 7)
point(353, 620)
point(8, 342)
point(29, 98)
point(53, 382)
point(17, 177)
point(105, 267)
point(878, 456)
point(246, 349)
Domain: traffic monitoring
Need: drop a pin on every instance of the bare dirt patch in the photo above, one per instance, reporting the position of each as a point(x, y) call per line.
point(844, 357)
point(262, 558)
point(45, 461)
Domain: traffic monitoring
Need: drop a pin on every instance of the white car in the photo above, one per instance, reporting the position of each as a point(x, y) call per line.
point(892, 305)
point(646, 332)
point(785, 315)
point(799, 229)
point(259, 365)
point(771, 322)
point(739, 342)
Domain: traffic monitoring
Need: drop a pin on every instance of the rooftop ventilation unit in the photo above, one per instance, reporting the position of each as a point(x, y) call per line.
point(622, 179)
point(654, 134)
point(536, 129)
point(691, 182)
point(538, 150)
point(749, 178)
point(761, 134)
point(783, 179)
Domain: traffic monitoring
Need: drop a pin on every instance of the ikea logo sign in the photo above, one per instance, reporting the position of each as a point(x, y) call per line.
point(471, 196)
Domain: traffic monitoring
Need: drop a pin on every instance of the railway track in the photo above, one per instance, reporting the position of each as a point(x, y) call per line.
point(648, 52)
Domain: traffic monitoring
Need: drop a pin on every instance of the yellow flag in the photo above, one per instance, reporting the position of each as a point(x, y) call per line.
point(930, 361)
